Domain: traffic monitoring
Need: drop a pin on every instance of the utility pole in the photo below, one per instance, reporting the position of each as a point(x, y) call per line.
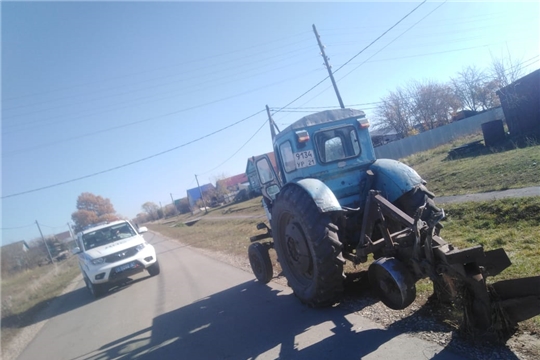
point(202, 197)
point(174, 206)
point(71, 233)
point(328, 67)
point(43, 238)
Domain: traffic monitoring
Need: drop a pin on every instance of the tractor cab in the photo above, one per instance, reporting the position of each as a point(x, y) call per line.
point(332, 146)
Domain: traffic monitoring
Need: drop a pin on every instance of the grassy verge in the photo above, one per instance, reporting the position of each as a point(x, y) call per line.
point(25, 294)
point(513, 224)
point(508, 166)
point(226, 229)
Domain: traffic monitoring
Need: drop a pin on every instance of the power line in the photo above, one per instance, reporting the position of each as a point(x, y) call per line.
point(132, 162)
point(68, 117)
point(361, 51)
point(234, 76)
point(165, 67)
point(397, 37)
point(56, 142)
point(328, 107)
point(18, 227)
point(237, 151)
point(382, 47)
point(380, 36)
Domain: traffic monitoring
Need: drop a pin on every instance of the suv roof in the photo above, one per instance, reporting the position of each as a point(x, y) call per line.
point(101, 226)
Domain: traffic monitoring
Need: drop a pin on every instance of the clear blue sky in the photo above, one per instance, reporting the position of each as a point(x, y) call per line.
point(89, 87)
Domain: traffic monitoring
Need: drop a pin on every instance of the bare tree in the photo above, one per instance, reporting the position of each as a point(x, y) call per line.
point(469, 86)
point(395, 112)
point(141, 218)
point(151, 209)
point(506, 71)
point(432, 104)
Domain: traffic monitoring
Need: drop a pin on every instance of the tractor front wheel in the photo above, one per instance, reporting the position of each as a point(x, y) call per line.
point(260, 262)
point(308, 248)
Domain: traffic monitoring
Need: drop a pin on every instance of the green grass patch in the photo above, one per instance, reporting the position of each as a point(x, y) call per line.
point(509, 166)
point(513, 224)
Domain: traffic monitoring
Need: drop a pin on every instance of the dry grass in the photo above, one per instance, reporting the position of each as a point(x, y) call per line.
point(26, 293)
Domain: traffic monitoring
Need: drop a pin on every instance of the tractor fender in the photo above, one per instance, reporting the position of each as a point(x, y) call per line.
point(394, 178)
point(322, 196)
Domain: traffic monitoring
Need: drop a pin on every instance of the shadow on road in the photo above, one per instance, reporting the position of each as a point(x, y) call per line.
point(254, 321)
point(64, 303)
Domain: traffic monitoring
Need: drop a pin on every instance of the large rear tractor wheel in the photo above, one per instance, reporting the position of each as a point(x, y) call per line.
point(259, 258)
point(411, 201)
point(308, 248)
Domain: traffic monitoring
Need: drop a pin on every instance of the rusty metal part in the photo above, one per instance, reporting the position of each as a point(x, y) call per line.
point(426, 254)
point(518, 298)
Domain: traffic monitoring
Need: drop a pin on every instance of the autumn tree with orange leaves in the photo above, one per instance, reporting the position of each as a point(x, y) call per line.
point(92, 209)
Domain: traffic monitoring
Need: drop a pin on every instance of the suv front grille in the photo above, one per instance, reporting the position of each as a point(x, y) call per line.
point(121, 255)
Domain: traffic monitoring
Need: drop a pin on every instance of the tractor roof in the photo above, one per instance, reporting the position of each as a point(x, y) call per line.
point(322, 117)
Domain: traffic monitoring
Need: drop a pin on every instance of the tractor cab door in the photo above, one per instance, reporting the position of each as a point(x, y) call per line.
point(269, 181)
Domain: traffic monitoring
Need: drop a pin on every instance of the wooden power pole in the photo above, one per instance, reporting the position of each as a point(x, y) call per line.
point(328, 67)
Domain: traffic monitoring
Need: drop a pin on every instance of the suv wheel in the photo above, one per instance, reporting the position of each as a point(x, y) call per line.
point(96, 290)
point(153, 269)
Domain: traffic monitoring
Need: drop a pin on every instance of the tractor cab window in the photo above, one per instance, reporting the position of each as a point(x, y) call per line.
point(265, 171)
point(337, 144)
point(287, 156)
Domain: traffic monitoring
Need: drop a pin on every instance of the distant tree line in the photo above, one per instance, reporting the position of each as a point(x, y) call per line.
point(424, 105)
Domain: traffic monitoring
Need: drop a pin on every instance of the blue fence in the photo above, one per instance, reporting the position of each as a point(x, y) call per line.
point(436, 137)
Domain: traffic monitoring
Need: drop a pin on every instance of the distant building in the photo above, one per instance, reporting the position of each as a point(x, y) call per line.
point(194, 194)
point(233, 183)
point(383, 136)
point(14, 256)
point(463, 114)
point(228, 188)
point(521, 105)
point(251, 171)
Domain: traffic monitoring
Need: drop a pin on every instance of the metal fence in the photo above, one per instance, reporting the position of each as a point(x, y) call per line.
point(436, 137)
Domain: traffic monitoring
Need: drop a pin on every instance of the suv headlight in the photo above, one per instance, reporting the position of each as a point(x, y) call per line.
point(98, 261)
point(140, 246)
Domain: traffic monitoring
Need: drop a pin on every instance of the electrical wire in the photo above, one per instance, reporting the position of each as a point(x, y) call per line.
point(10, 128)
point(240, 148)
point(361, 51)
point(380, 36)
point(161, 68)
point(56, 142)
point(384, 47)
point(132, 162)
point(18, 227)
point(244, 69)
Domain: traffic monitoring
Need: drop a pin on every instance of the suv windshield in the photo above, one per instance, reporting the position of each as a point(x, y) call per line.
point(107, 235)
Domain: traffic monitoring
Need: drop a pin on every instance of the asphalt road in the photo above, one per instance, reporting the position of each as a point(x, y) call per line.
point(200, 308)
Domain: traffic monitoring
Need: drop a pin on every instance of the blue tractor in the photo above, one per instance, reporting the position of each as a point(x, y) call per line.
point(329, 199)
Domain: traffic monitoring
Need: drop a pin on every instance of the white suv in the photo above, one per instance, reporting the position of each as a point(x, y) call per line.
point(112, 252)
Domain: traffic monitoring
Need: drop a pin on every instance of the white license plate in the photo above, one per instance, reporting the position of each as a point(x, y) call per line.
point(304, 159)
